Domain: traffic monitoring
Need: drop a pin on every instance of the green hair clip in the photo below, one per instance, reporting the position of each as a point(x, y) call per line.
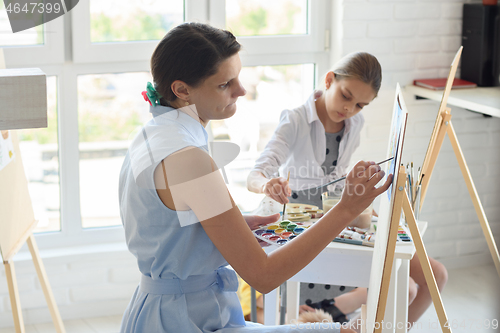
point(153, 95)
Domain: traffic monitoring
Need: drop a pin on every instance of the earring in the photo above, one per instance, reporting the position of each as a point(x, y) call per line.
point(187, 103)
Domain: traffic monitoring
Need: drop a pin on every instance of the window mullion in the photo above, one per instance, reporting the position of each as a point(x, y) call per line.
point(52, 52)
point(217, 13)
point(69, 152)
point(196, 10)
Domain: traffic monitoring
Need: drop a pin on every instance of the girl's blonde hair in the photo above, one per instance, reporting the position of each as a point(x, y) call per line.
point(362, 66)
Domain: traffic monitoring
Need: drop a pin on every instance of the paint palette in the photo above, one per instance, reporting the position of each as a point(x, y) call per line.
point(298, 217)
point(295, 208)
point(282, 232)
point(404, 236)
point(296, 212)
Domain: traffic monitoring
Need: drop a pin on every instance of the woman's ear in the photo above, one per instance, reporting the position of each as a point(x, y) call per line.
point(330, 76)
point(180, 89)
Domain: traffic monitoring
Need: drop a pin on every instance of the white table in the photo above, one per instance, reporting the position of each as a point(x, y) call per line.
point(356, 260)
point(484, 100)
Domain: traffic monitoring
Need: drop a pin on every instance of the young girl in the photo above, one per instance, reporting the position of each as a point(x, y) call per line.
point(315, 142)
point(179, 219)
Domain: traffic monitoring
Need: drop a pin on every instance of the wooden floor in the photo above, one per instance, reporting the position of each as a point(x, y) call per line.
point(87, 325)
point(471, 300)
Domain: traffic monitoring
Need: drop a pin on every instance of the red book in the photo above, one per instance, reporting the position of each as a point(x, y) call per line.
point(439, 84)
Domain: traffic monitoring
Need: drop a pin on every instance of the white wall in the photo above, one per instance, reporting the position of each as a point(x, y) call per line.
point(412, 39)
point(418, 39)
point(87, 282)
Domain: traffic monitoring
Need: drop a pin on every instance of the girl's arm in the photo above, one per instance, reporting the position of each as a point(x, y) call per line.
point(275, 188)
point(256, 181)
point(274, 155)
point(190, 180)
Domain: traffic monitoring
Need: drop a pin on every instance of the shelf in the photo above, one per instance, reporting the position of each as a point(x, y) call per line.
point(485, 100)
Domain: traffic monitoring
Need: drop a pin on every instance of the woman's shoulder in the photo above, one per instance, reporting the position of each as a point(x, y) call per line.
point(174, 128)
point(160, 138)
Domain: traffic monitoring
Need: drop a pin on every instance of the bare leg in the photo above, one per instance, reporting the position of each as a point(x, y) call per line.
point(412, 291)
point(260, 309)
point(351, 301)
point(423, 298)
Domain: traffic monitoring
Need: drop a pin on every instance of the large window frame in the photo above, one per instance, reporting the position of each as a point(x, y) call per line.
point(50, 52)
point(84, 51)
point(68, 53)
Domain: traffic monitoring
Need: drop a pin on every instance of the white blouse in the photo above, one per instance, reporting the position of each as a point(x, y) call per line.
point(299, 146)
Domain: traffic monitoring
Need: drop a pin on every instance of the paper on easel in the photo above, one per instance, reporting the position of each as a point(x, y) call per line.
point(6, 149)
point(2, 60)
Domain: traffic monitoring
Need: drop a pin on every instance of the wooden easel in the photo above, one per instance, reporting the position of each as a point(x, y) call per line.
point(42, 276)
point(17, 220)
point(17, 226)
point(442, 127)
point(392, 204)
point(402, 203)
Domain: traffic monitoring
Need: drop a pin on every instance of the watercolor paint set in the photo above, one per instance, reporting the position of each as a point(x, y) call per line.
point(404, 236)
point(282, 232)
point(356, 236)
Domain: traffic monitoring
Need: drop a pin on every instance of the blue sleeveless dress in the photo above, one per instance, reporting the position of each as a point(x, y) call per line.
point(186, 285)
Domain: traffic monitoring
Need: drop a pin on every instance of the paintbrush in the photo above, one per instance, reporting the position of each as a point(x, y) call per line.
point(342, 178)
point(284, 205)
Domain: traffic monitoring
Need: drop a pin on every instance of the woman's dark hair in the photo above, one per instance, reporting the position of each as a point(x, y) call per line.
point(190, 52)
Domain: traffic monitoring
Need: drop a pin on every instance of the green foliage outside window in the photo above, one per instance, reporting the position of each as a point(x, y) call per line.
point(251, 23)
point(140, 26)
point(255, 20)
point(95, 128)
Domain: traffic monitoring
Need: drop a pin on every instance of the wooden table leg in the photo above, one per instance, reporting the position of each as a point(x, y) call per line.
point(292, 301)
point(390, 308)
point(402, 296)
point(271, 308)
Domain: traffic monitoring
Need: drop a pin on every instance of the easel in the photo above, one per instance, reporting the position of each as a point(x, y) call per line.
point(42, 276)
point(402, 203)
point(393, 203)
point(17, 220)
point(22, 212)
point(442, 127)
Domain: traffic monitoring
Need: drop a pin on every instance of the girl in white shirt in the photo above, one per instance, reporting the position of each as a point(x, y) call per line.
point(315, 142)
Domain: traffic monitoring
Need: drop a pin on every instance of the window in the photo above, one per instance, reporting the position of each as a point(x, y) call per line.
point(41, 45)
point(95, 102)
point(127, 20)
point(256, 18)
point(33, 36)
point(110, 110)
point(118, 30)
